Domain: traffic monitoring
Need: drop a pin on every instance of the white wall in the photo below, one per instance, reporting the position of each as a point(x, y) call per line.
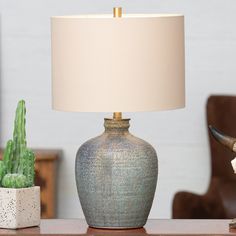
point(179, 136)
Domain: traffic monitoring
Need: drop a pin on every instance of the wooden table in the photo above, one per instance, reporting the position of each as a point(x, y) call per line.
point(153, 227)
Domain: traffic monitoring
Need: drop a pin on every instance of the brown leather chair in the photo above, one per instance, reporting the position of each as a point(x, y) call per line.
point(220, 200)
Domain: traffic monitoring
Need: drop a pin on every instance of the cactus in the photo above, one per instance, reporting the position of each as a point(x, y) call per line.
point(7, 156)
point(14, 181)
point(2, 171)
point(26, 166)
point(19, 136)
point(17, 167)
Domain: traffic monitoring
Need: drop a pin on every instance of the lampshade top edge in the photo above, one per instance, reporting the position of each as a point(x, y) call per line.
point(108, 16)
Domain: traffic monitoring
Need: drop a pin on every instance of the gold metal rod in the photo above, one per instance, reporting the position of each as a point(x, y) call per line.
point(117, 116)
point(117, 12)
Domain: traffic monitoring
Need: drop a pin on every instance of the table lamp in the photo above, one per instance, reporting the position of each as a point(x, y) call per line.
point(117, 63)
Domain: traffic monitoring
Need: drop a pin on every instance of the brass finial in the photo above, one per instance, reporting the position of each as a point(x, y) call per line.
point(117, 12)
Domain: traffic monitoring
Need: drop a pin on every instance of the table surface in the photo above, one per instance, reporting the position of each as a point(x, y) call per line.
point(153, 227)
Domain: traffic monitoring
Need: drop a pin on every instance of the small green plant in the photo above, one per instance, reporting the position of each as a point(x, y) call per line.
point(17, 166)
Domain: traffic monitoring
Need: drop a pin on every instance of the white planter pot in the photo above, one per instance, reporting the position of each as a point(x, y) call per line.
point(19, 208)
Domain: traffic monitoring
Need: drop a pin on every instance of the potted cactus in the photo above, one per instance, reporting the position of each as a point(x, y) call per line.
point(19, 198)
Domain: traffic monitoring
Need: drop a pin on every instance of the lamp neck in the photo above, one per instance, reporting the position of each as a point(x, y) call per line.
point(116, 126)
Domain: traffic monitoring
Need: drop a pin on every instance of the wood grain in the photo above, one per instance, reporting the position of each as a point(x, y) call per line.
point(153, 227)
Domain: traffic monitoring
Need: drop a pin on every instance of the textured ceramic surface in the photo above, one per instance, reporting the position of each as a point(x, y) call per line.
point(19, 208)
point(116, 175)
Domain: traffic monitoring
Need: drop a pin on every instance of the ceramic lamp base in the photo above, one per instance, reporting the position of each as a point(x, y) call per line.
point(19, 208)
point(116, 176)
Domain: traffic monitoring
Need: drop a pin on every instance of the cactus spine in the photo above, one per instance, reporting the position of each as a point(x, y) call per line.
point(17, 166)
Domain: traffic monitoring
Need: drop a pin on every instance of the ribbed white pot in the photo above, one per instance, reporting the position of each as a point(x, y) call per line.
point(19, 208)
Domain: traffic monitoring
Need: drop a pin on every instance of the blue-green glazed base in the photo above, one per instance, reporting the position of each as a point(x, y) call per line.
point(116, 176)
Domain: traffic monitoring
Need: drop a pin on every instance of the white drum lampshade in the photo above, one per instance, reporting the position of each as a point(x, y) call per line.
point(106, 64)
